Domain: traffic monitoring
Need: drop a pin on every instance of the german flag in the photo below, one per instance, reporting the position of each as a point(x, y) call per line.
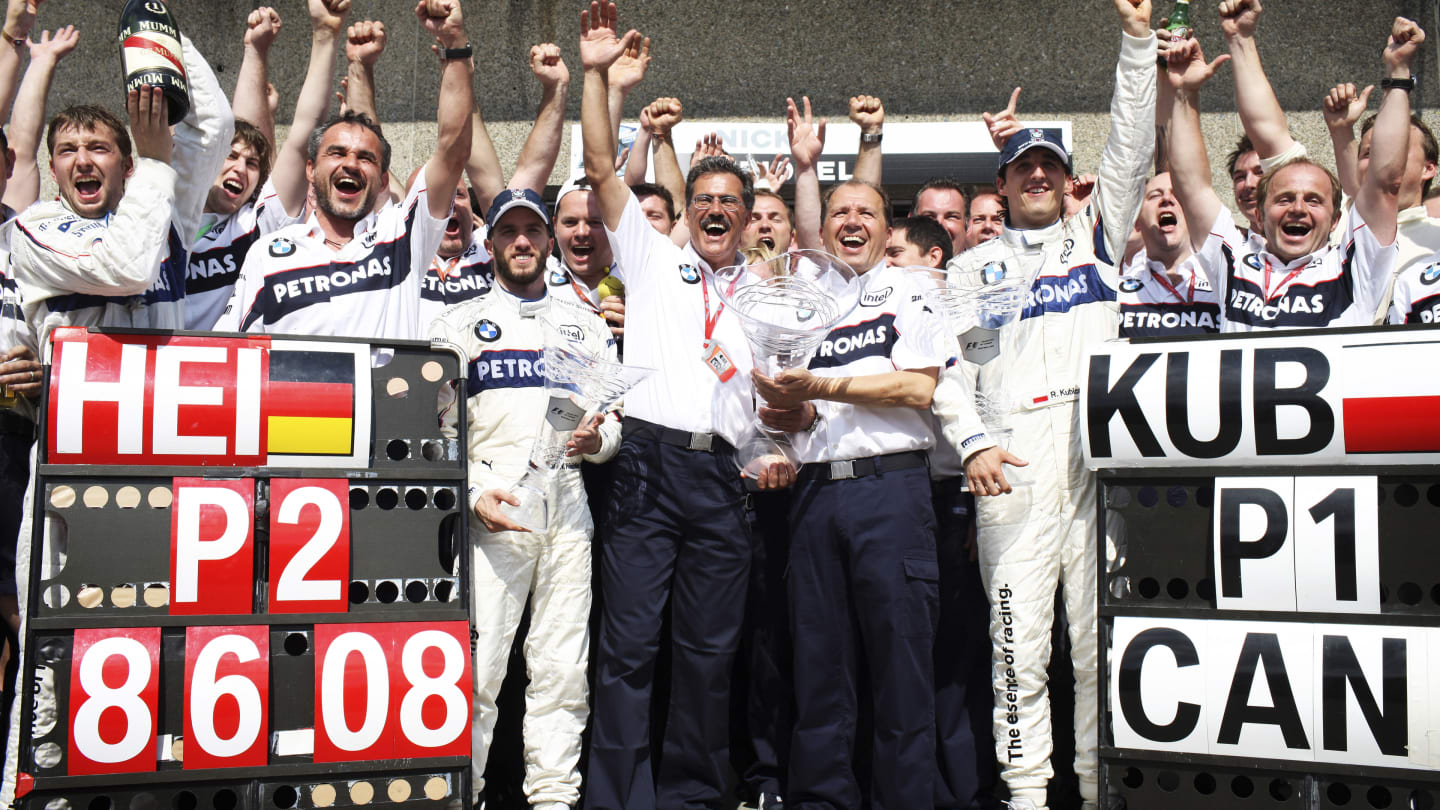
point(310, 402)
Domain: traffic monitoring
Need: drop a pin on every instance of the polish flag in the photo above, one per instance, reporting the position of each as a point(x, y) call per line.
point(1392, 398)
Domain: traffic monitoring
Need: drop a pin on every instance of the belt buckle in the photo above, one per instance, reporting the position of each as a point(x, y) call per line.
point(840, 470)
point(700, 442)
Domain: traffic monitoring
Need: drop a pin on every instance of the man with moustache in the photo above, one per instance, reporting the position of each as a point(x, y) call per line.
point(352, 270)
point(863, 581)
point(503, 333)
point(677, 527)
point(1163, 293)
point(1044, 534)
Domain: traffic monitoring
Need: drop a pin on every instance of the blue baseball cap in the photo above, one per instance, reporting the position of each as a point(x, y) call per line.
point(516, 198)
point(1027, 139)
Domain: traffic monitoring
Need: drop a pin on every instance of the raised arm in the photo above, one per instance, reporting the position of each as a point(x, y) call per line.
point(327, 22)
point(807, 141)
point(202, 140)
point(868, 113)
point(252, 95)
point(443, 20)
point(1189, 164)
point(1342, 107)
point(542, 148)
point(27, 121)
point(364, 45)
point(624, 75)
point(638, 162)
point(1379, 198)
point(662, 116)
point(599, 48)
point(1255, 100)
point(19, 20)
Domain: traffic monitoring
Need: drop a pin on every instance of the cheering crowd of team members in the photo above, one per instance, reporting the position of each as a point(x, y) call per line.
point(871, 626)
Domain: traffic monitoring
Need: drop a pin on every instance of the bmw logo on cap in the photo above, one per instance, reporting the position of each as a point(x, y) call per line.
point(281, 247)
point(487, 330)
point(1431, 274)
point(1037, 135)
point(1130, 285)
point(689, 274)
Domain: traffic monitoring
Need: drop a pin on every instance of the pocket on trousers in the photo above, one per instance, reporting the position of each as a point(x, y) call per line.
point(922, 596)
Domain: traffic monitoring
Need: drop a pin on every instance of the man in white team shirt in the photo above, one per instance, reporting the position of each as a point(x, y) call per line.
point(677, 515)
point(862, 542)
point(584, 259)
point(1163, 294)
point(1298, 280)
point(351, 270)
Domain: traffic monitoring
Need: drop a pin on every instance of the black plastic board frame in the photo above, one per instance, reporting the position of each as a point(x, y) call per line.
point(1164, 569)
point(414, 487)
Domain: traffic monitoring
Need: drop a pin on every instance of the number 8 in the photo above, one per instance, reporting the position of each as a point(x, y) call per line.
point(138, 731)
point(423, 687)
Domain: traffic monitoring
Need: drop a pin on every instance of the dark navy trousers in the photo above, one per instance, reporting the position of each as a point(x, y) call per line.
point(964, 698)
point(678, 534)
point(863, 590)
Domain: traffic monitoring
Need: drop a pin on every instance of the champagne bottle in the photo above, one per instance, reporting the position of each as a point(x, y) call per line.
point(150, 54)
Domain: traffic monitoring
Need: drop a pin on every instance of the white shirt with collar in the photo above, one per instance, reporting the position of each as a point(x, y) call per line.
point(665, 291)
point(567, 286)
point(219, 251)
point(890, 329)
point(1335, 286)
point(1418, 237)
point(1152, 306)
point(293, 283)
point(456, 280)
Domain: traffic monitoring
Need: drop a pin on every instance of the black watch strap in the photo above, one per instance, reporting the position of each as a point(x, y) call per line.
point(1407, 84)
point(464, 52)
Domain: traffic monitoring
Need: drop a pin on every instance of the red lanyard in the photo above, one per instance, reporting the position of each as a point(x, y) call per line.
point(584, 299)
point(710, 321)
point(1165, 282)
point(1283, 281)
point(443, 268)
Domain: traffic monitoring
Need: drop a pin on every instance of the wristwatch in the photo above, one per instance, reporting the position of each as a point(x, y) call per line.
point(1407, 84)
point(463, 52)
point(871, 137)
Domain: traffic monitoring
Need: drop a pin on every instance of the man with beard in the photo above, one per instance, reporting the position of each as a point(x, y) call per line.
point(678, 532)
point(351, 270)
point(1163, 294)
point(863, 570)
point(1044, 534)
point(246, 201)
point(502, 330)
point(985, 218)
point(1298, 280)
point(585, 258)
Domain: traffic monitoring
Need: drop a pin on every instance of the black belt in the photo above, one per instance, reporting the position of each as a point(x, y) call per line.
point(700, 442)
point(13, 424)
point(862, 467)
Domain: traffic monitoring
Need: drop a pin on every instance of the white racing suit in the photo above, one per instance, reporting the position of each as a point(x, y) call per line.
point(126, 269)
point(1045, 532)
point(502, 338)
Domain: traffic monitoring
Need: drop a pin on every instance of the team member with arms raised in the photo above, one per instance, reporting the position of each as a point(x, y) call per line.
point(678, 531)
point(350, 269)
point(1298, 280)
point(1163, 293)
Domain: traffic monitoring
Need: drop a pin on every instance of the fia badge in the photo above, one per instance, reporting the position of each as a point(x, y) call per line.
point(718, 361)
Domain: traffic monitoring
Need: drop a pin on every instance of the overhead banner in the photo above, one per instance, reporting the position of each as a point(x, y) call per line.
point(913, 152)
point(1339, 397)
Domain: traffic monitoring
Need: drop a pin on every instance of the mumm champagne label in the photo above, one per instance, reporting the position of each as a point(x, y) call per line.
point(150, 53)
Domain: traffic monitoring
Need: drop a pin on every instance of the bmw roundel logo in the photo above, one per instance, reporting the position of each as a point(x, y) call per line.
point(557, 278)
point(1431, 274)
point(1252, 260)
point(1130, 285)
point(992, 273)
point(487, 330)
point(282, 247)
point(689, 274)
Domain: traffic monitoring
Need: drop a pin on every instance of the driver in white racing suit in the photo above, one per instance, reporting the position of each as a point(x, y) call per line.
point(1033, 536)
point(502, 333)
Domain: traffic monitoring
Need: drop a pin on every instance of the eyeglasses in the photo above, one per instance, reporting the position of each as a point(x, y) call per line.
point(703, 202)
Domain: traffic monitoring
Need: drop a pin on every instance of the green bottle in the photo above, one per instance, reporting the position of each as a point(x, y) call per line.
point(1179, 26)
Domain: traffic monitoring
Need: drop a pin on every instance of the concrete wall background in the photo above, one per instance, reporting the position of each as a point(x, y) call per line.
point(928, 59)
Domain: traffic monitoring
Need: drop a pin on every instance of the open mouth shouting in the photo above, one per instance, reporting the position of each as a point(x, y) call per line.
point(452, 228)
point(1167, 222)
point(89, 190)
point(714, 227)
point(768, 241)
point(348, 188)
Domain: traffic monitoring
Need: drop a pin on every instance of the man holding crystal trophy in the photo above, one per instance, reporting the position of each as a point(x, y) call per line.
point(542, 376)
